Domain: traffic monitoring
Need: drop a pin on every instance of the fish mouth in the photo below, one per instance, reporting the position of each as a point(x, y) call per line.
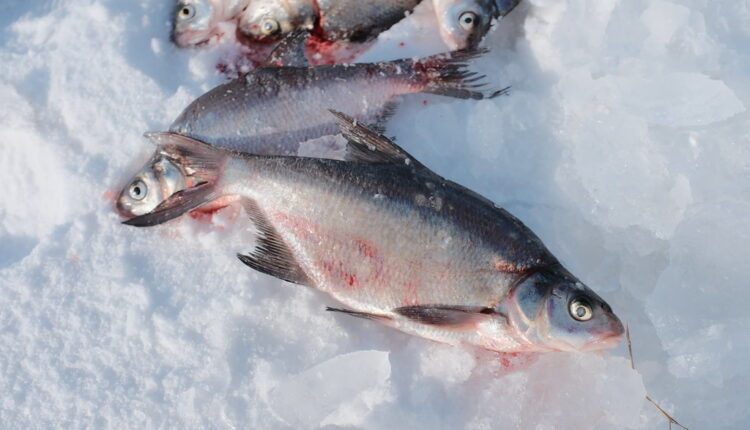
point(607, 342)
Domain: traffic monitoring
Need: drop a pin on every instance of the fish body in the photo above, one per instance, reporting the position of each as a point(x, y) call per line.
point(396, 243)
point(332, 20)
point(195, 22)
point(463, 23)
point(271, 110)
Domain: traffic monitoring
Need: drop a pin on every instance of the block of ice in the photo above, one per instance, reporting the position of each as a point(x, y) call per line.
point(340, 391)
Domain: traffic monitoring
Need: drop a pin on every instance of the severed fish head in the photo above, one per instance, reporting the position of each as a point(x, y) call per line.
point(272, 19)
point(159, 178)
point(195, 22)
point(555, 311)
point(464, 23)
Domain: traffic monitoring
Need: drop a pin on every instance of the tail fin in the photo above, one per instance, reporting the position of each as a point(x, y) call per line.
point(448, 75)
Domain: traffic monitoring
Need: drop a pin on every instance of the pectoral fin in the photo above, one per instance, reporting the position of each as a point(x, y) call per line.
point(271, 256)
point(456, 317)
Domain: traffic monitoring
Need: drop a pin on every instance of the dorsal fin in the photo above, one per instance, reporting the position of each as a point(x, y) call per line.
point(290, 52)
point(367, 146)
point(271, 256)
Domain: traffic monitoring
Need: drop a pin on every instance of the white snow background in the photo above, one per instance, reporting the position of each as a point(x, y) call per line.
point(624, 144)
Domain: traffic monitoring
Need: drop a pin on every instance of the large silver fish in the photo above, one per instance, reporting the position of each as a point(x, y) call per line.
point(271, 110)
point(333, 20)
point(398, 244)
point(195, 21)
point(463, 23)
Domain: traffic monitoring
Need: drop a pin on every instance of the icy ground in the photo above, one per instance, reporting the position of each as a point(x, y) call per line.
point(625, 144)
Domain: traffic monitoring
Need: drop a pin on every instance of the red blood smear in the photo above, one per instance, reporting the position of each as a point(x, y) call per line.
point(109, 196)
point(424, 102)
point(514, 361)
point(401, 44)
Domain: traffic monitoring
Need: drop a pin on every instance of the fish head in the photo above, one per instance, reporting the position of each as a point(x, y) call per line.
point(158, 179)
point(555, 311)
point(194, 22)
point(272, 19)
point(463, 23)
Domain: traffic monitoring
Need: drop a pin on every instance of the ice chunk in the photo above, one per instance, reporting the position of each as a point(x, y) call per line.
point(547, 396)
point(663, 19)
point(679, 99)
point(340, 391)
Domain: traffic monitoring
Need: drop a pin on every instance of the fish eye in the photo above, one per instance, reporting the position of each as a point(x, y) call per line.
point(187, 11)
point(467, 20)
point(138, 190)
point(269, 26)
point(580, 309)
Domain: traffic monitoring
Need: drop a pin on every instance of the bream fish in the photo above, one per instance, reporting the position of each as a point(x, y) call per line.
point(396, 243)
point(271, 110)
point(330, 20)
point(273, 19)
point(195, 22)
point(463, 23)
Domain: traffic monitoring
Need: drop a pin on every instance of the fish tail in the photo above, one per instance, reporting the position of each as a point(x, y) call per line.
point(203, 162)
point(449, 75)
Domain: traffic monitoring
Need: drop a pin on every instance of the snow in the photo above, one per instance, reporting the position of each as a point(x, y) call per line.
point(624, 144)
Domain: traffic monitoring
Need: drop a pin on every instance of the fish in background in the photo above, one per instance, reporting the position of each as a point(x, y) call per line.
point(342, 29)
point(396, 243)
point(274, 19)
point(271, 110)
point(196, 22)
point(464, 23)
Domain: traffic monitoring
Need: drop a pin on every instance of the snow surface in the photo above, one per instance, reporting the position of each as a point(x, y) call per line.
point(625, 144)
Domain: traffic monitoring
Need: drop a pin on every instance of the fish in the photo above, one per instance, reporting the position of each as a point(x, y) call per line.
point(361, 20)
point(266, 20)
point(394, 242)
point(356, 21)
point(195, 22)
point(464, 23)
point(271, 110)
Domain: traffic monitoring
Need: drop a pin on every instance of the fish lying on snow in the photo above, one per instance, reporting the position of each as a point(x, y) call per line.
point(195, 22)
point(463, 23)
point(331, 20)
point(398, 244)
point(271, 110)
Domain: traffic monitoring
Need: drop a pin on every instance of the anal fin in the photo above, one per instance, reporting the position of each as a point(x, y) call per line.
point(271, 256)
